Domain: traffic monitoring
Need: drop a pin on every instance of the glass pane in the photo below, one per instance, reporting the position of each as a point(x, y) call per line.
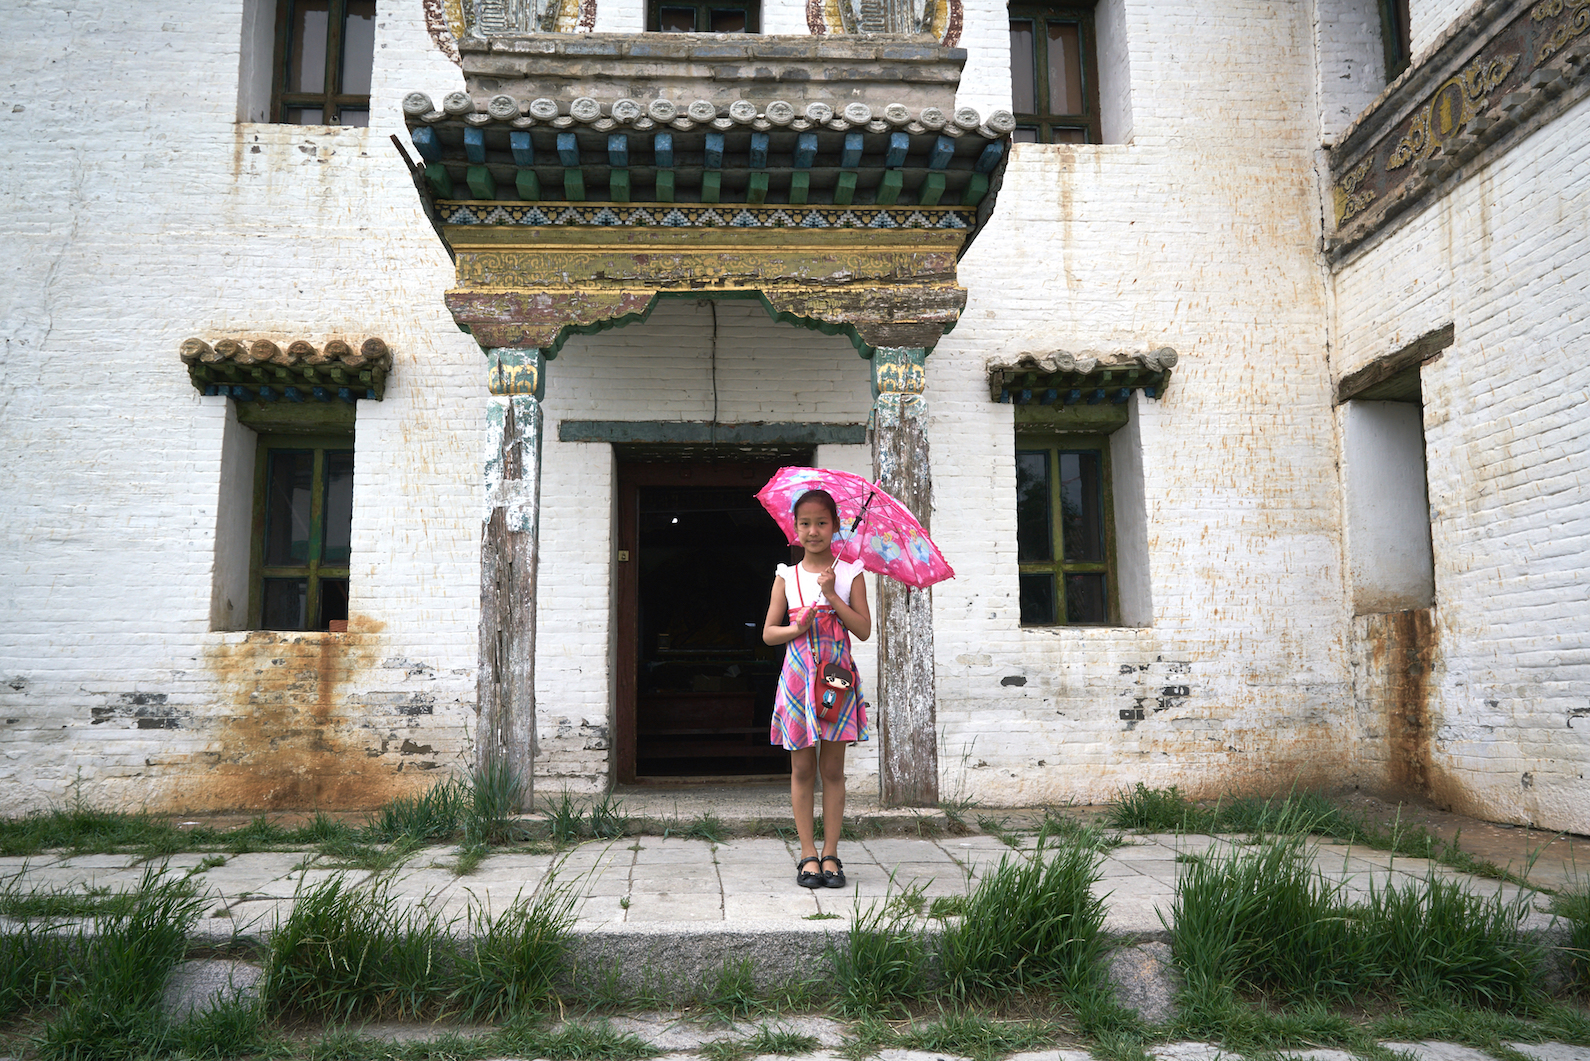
point(1025, 134)
point(1023, 85)
point(730, 20)
point(1085, 599)
point(284, 603)
point(308, 21)
point(305, 116)
point(678, 20)
point(355, 117)
point(1037, 600)
point(358, 48)
point(1034, 533)
point(1062, 135)
point(333, 602)
point(1065, 68)
point(1081, 508)
point(338, 508)
point(289, 481)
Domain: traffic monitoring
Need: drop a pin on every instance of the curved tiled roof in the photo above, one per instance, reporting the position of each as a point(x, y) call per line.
point(263, 370)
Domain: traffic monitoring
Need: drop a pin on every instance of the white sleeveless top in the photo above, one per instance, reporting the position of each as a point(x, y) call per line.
point(845, 574)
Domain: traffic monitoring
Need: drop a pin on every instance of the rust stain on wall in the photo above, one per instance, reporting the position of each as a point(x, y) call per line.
point(290, 735)
point(1402, 652)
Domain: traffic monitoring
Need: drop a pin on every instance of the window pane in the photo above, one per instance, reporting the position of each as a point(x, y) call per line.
point(1085, 599)
point(333, 602)
point(353, 117)
point(1023, 83)
point(678, 20)
point(1034, 534)
point(1063, 135)
point(358, 49)
point(1065, 68)
point(289, 481)
point(338, 508)
point(1025, 134)
point(284, 603)
point(729, 20)
point(305, 116)
point(306, 59)
point(1037, 600)
point(1081, 511)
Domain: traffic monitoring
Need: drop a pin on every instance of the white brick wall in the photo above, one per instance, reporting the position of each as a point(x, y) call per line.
point(1350, 59)
point(1429, 19)
point(1502, 257)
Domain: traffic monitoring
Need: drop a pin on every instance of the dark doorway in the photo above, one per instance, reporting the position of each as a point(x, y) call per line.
point(696, 559)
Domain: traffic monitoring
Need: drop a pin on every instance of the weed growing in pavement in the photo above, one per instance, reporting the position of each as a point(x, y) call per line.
point(733, 993)
point(705, 826)
point(469, 859)
point(880, 963)
point(346, 953)
point(608, 820)
point(1574, 907)
point(779, 1041)
point(431, 816)
point(1086, 834)
point(1155, 810)
point(565, 819)
point(496, 792)
point(960, 1033)
point(1030, 924)
point(518, 956)
point(570, 1042)
point(33, 956)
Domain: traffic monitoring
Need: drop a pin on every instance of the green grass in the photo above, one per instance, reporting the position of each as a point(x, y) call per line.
point(431, 817)
point(880, 964)
point(496, 792)
point(517, 957)
point(570, 1042)
point(1573, 905)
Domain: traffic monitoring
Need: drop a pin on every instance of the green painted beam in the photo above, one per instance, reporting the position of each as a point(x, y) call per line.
point(800, 183)
point(665, 186)
point(976, 188)
point(481, 183)
point(756, 190)
point(574, 185)
point(529, 185)
point(440, 179)
point(711, 186)
point(932, 190)
point(618, 186)
point(845, 188)
point(889, 188)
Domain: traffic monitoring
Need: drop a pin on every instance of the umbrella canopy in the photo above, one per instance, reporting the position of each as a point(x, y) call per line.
point(874, 529)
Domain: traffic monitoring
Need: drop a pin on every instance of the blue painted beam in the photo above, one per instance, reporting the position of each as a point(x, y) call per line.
point(321, 394)
point(1073, 396)
point(1120, 397)
point(851, 157)
point(1049, 397)
point(426, 144)
point(618, 151)
point(1097, 396)
point(805, 150)
point(475, 145)
point(662, 146)
point(758, 150)
point(568, 150)
point(294, 394)
point(990, 157)
point(524, 152)
point(714, 150)
point(899, 144)
point(943, 151)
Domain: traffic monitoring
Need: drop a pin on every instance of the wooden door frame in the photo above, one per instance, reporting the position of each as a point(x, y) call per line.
point(630, 478)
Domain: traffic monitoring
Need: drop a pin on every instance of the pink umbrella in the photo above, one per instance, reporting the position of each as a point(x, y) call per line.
point(874, 528)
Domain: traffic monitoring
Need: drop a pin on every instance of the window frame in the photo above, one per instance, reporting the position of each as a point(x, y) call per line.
point(1396, 37)
point(314, 570)
point(1056, 443)
point(1045, 120)
point(704, 8)
point(330, 101)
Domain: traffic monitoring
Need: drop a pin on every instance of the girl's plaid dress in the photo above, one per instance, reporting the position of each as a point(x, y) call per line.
point(795, 722)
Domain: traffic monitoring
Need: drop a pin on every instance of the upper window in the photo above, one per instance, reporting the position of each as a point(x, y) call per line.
point(704, 16)
point(1053, 73)
point(303, 532)
point(1064, 545)
point(1396, 36)
point(324, 53)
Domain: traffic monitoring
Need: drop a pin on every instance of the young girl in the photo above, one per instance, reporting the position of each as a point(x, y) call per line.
point(825, 599)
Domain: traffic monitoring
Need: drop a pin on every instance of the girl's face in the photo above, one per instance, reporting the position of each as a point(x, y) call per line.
point(814, 527)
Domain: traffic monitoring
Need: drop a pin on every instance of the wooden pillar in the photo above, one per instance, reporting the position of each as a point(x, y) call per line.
point(508, 551)
point(908, 728)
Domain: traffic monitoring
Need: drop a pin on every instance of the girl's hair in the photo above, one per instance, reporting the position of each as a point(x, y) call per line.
point(822, 497)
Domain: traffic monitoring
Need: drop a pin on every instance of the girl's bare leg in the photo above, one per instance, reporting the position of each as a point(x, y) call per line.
point(802, 789)
point(832, 763)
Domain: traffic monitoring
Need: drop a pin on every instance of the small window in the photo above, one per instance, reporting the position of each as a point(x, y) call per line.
point(325, 50)
point(1396, 37)
point(704, 16)
point(1064, 534)
point(1053, 74)
point(303, 532)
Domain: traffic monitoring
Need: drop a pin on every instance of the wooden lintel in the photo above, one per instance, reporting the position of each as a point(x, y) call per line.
point(1422, 349)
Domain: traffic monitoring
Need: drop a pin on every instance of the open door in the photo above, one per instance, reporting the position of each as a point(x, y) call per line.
point(695, 684)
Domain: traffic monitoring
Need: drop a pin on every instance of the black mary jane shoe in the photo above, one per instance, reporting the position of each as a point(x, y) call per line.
point(833, 878)
point(807, 878)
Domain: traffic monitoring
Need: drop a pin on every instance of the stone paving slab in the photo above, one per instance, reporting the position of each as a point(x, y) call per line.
point(1552, 1051)
point(1429, 1050)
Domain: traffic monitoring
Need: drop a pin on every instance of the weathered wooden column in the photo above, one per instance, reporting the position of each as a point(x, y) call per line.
point(508, 550)
point(908, 728)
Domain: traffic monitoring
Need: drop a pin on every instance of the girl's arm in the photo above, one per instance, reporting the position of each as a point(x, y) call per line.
point(856, 616)
point(774, 632)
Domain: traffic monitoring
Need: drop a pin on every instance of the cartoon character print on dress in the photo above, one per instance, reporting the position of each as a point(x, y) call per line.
point(837, 681)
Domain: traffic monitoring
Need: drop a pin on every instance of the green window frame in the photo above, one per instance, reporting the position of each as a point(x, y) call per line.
point(325, 52)
point(704, 16)
point(1065, 530)
point(1396, 37)
point(1054, 74)
point(302, 533)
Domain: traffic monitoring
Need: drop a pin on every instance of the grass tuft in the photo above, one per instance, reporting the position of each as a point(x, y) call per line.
point(496, 793)
point(879, 965)
point(431, 817)
point(517, 957)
